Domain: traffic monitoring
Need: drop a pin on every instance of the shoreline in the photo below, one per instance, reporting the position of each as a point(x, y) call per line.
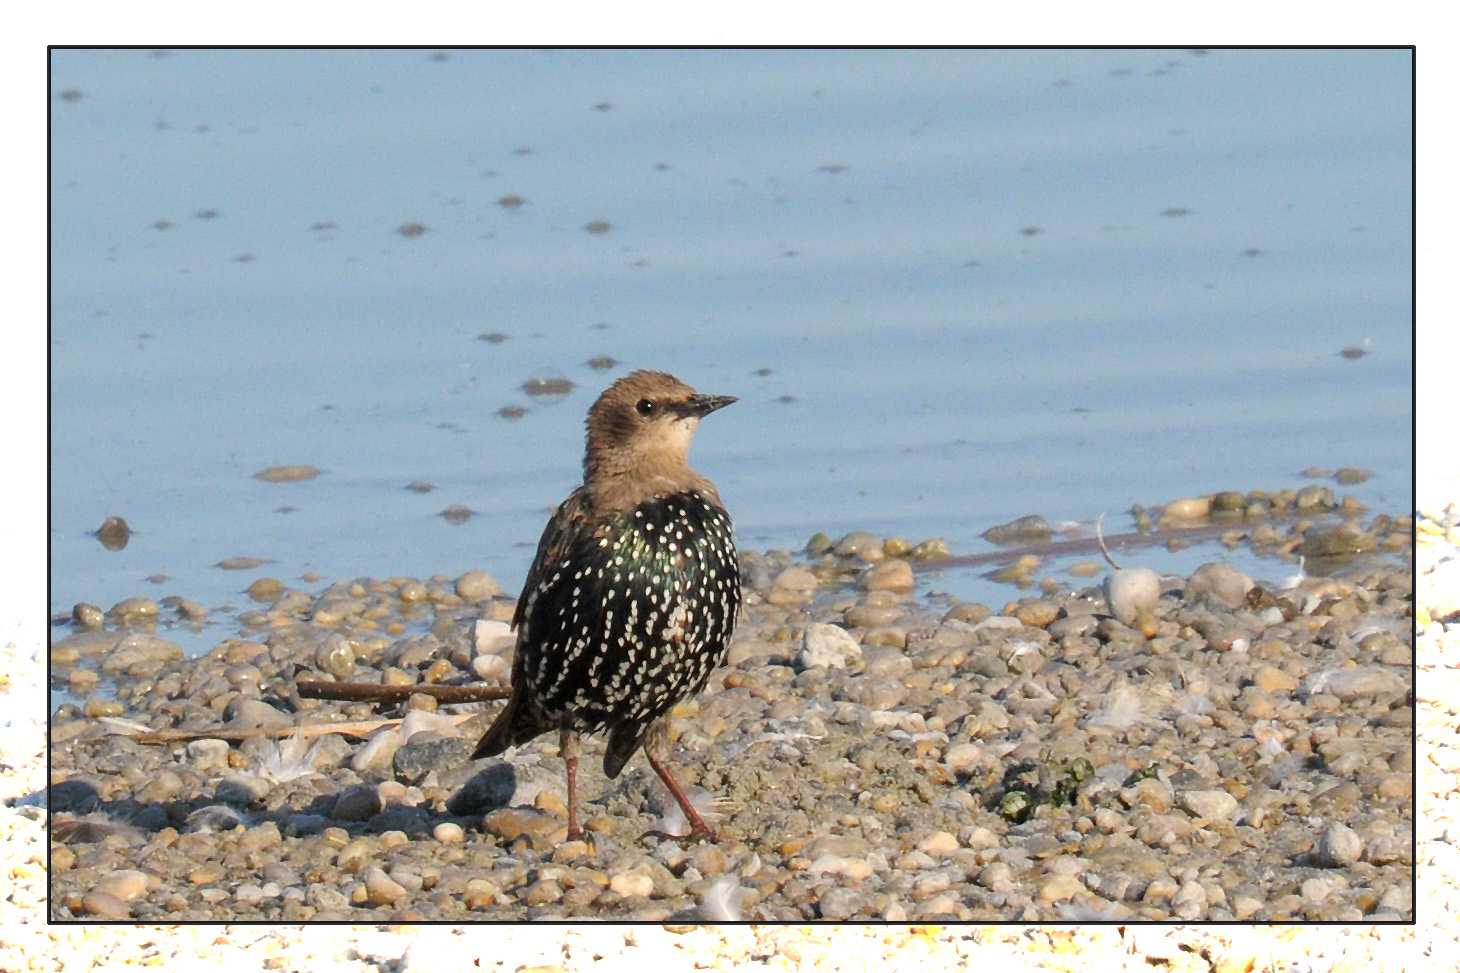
point(849, 864)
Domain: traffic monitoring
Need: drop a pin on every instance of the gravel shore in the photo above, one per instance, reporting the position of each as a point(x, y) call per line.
point(1226, 750)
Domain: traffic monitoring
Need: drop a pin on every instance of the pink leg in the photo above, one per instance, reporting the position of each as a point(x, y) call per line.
point(656, 747)
point(572, 748)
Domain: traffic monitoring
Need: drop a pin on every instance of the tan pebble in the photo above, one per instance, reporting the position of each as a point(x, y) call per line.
point(266, 591)
point(1060, 888)
point(938, 843)
point(380, 888)
point(490, 668)
point(1037, 614)
point(206, 874)
point(933, 547)
point(569, 850)
point(871, 616)
point(709, 860)
point(411, 591)
point(630, 884)
point(422, 702)
point(134, 609)
point(896, 547)
point(547, 890)
point(105, 906)
point(440, 671)
point(1396, 786)
point(1274, 680)
point(95, 708)
point(126, 885)
point(890, 575)
point(448, 833)
point(549, 801)
point(290, 473)
point(1190, 508)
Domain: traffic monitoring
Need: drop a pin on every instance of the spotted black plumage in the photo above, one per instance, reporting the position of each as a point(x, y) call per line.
point(634, 592)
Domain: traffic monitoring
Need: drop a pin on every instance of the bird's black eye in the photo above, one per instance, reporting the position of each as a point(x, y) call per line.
point(645, 407)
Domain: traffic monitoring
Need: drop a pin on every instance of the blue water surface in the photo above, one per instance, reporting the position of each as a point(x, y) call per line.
point(950, 288)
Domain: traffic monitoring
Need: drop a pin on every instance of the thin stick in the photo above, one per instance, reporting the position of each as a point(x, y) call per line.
point(369, 692)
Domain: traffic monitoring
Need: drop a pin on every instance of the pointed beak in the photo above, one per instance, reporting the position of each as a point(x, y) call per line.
point(703, 405)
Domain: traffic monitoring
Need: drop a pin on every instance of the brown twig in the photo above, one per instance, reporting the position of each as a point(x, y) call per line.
point(369, 692)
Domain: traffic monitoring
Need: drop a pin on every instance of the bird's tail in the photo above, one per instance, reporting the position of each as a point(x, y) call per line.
point(518, 723)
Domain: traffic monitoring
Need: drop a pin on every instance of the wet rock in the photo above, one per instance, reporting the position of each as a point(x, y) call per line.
point(1032, 529)
point(893, 574)
point(475, 587)
point(1337, 541)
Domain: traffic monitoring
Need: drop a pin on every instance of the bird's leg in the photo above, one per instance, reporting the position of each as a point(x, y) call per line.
point(656, 748)
point(572, 748)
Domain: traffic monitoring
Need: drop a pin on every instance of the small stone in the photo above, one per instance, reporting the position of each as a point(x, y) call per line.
point(827, 647)
point(336, 656)
point(1036, 614)
point(1218, 582)
point(793, 586)
point(1341, 539)
point(893, 574)
point(490, 637)
point(938, 843)
point(1060, 888)
point(134, 610)
point(1274, 680)
point(857, 544)
point(266, 591)
point(292, 473)
point(104, 906)
point(1213, 805)
point(511, 823)
point(126, 884)
point(242, 790)
point(1339, 847)
point(630, 884)
point(838, 904)
point(380, 888)
point(244, 713)
point(475, 587)
point(1032, 529)
point(162, 787)
point(1314, 497)
point(87, 617)
point(1131, 591)
point(1190, 508)
point(1371, 681)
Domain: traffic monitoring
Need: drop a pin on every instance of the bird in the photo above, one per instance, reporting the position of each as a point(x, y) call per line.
point(633, 594)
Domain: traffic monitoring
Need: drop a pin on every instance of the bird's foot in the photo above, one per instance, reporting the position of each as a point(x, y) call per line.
point(580, 837)
point(695, 834)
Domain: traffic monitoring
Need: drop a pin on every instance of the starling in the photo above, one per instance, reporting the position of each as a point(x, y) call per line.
point(633, 594)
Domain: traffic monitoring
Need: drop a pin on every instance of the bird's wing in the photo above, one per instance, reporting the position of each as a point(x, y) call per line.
point(557, 538)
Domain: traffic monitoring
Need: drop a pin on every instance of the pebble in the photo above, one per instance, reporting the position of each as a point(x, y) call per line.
point(1131, 591)
point(853, 776)
point(1219, 583)
point(1338, 847)
point(893, 574)
point(827, 646)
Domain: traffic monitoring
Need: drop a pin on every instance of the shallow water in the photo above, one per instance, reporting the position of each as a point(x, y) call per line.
point(951, 288)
